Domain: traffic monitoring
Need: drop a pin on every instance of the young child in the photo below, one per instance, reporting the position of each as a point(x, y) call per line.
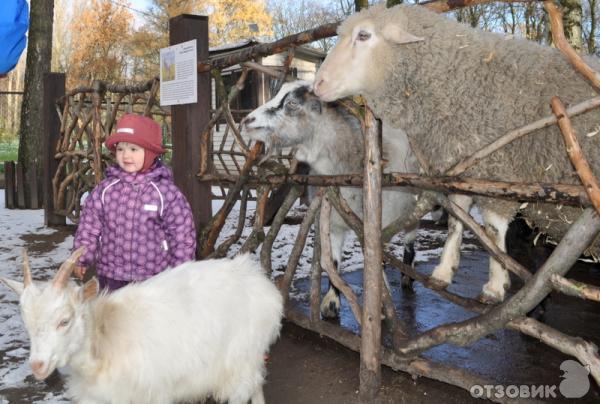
point(136, 222)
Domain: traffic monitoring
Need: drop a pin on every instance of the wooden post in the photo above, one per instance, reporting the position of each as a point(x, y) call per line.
point(33, 187)
point(54, 88)
point(370, 351)
point(20, 182)
point(189, 120)
point(9, 185)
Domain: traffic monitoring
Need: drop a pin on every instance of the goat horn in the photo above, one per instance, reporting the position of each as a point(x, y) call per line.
point(65, 270)
point(26, 269)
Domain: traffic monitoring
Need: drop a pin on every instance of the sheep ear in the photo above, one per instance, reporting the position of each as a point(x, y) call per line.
point(18, 287)
point(395, 34)
point(90, 289)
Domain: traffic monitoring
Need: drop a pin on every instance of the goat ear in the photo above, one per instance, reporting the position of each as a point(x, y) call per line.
point(64, 272)
point(393, 33)
point(18, 287)
point(90, 289)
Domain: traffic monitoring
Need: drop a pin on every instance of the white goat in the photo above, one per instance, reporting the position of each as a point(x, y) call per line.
point(329, 139)
point(192, 331)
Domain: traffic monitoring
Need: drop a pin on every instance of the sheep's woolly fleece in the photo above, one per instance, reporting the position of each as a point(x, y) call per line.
point(461, 88)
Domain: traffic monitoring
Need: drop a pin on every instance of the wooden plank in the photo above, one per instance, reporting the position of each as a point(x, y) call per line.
point(20, 183)
point(33, 188)
point(9, 180)
point(53, 88)
point(189, 120)
point(370, 348)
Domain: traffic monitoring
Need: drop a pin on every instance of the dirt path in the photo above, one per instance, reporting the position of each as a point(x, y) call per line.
point(305, 368)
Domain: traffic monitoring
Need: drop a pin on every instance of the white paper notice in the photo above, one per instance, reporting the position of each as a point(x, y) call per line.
point(179, 74)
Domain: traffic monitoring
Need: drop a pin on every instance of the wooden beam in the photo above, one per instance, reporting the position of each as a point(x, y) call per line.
point(189, 120)
point(370, 349)
point(9, 185)
point(54, 88)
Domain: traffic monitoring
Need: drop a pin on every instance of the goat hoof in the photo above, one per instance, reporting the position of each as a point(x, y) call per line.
point(330, 311)
point(489, 299)
point(437, 284)
point(407, 283)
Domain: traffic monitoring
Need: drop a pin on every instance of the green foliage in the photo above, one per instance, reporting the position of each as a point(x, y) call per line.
point(9, 146)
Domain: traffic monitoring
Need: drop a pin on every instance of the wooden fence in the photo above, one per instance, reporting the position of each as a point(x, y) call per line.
point(194, 168)
point(404, 353)
point(14, 185)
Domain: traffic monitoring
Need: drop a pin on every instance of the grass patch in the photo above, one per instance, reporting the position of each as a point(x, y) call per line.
point(9, 147)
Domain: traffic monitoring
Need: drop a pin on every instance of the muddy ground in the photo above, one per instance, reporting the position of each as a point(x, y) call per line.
point(305, 368)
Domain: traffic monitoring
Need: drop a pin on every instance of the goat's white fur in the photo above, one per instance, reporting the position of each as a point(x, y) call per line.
point(196, 330)
point(329, 139)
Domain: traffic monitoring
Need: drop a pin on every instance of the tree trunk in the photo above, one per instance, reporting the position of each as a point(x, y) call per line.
point(572, 15)
point(591, 41)
point(392, 3)
point(39, 56)
point(360, 4)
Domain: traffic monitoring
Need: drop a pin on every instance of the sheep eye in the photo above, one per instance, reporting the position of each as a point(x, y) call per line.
point(63, 323)
point(292, 103)
point(363, 35)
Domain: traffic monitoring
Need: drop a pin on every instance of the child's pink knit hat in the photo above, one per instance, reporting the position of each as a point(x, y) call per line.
point(142, 131)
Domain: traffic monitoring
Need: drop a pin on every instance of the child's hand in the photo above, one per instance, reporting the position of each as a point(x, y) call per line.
point(79, 272)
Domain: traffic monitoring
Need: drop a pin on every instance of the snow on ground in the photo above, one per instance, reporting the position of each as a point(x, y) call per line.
point(14, 343)
point(353, 257)
point(24, 227)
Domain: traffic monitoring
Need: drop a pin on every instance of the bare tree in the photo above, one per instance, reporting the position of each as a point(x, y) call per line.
point(293, 17)
point(360, 4)
point(590, 16)
point(572, 17)
point(39, 56)
point(345, 7)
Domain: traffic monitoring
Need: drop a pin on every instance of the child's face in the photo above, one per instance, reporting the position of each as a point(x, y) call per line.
point(130, 157)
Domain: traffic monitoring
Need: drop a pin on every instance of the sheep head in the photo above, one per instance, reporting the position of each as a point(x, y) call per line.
point(52, 313)
point(360, 61)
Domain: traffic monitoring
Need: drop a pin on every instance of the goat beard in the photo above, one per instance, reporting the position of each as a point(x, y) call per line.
point(272, 146)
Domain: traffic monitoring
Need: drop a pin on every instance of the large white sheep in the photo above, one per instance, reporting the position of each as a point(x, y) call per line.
point(329, 139)
point(455, 89)
point(196, 330)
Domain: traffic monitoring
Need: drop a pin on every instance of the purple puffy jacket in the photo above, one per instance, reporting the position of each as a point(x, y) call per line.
point(136, 225)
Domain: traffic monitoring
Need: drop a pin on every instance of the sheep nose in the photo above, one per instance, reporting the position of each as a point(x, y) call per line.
point(36, 366)
point(317, 85)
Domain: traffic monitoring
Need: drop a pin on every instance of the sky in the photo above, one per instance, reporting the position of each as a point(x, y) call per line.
point(141, 5)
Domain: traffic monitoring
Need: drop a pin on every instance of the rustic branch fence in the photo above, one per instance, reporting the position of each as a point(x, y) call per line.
point(87, 116)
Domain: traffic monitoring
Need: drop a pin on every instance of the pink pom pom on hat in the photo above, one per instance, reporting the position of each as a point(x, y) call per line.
point(142, 131)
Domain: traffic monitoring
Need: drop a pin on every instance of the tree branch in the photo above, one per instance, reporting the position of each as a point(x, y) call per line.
point(576, 154)
point(558, 37)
